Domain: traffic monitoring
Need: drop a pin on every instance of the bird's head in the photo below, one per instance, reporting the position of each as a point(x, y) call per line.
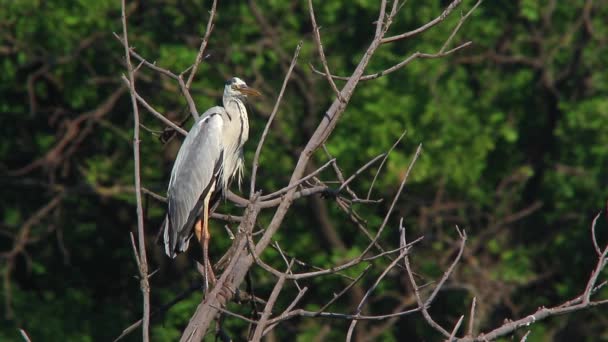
point(238, 88)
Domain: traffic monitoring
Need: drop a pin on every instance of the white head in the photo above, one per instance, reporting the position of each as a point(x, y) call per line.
point(236, 87)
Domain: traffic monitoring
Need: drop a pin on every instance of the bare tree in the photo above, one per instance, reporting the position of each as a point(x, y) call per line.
point(247, 248)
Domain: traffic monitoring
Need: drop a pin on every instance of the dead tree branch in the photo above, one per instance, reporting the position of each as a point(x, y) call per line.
point(142, 259)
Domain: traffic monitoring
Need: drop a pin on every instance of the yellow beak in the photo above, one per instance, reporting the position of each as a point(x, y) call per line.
point(249, 91)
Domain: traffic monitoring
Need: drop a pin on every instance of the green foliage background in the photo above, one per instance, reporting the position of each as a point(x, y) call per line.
point(513, 132)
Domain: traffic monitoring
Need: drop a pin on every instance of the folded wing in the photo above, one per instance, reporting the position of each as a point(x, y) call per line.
point(196, 167)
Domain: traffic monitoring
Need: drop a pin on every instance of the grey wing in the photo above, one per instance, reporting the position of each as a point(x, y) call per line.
point(195, 168)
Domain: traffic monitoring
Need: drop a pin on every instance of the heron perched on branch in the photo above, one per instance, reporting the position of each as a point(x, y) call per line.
point(210, 156)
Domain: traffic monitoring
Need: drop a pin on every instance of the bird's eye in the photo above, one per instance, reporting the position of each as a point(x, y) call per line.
point(234, 87)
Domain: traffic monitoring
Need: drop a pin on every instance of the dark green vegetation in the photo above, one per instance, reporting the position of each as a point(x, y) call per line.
point(513, 131)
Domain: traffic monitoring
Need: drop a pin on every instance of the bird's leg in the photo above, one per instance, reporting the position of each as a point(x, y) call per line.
point(198, 230)
point(206, 236)
point(204, 239)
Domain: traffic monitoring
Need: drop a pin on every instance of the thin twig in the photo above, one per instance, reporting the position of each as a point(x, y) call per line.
point(341, 293)
point(351, 329)
point(234, 314)
point(400, 65)
point(293, 185)
point(288, 309)
point(401, 186)
point(258, 150)
point(151, 109)
point(416, 288)
point(201, 50)
point(278, 287)
point(472, 317)
point(455, 330)
point(371, 187)
point(143, 61)
point(460, 22)
point(361, 169)
point(335, 315)
point(593, 236)
point(426, 26)
point(143, 263)
point(188, 96)
point(317, 36)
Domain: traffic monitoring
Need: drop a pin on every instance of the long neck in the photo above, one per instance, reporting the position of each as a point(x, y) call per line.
point(237, 119)
point(236, 131)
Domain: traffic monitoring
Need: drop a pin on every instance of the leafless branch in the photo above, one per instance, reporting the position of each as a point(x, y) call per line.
point(278, 287)
point(189, 100)
point(472, 317)
point(201, 50)
point(142, 259)
point(388, 153)
point(400, 65)
point(358, 172)
point(254, 168)
point(143, 61)
point(460, 22)
point(594, 236)
point(426, 26)
point(578, 303)
point(299, 182)
point(351, 329)
point(24, 335)
point(144, 103)
point(317, 36)
point(456, 327)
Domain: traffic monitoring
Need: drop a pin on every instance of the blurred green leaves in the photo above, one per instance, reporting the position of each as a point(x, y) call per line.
point(518, 117)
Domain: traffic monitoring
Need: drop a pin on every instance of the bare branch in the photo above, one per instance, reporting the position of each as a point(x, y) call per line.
point(152, 110)
point(258, 150)
point(593, 235)
point(143, 263)
point(234, 314)
point(424, 305)
point(371, 187)
point(257, 335)
point(288, 309)
point(341, 293)
point(401, 186)
point(294, 185)
point(351, 329)
point(361, 169)
point(151, 66)
point(334, 315)
point(456, 327)
point(581, 302)
point(188, 97)
point(24, 335)
point(460, 22)
point(472, 317)
point(426, 26)
point(405, 62)
point(317, 36)
point(201, 50)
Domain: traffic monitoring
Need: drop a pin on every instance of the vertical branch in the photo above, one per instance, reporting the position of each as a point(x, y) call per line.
point(317, 36)
point(257, 335)
point(258, 150)
point(143, 264)
point(201, 50)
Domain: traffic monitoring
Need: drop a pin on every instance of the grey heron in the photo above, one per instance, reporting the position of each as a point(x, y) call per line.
point(209, 158)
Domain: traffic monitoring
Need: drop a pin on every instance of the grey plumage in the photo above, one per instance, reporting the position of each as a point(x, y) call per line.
point(208, 159)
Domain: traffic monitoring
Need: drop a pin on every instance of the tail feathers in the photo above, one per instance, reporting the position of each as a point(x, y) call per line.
point(167, 238)
point(174, 243)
